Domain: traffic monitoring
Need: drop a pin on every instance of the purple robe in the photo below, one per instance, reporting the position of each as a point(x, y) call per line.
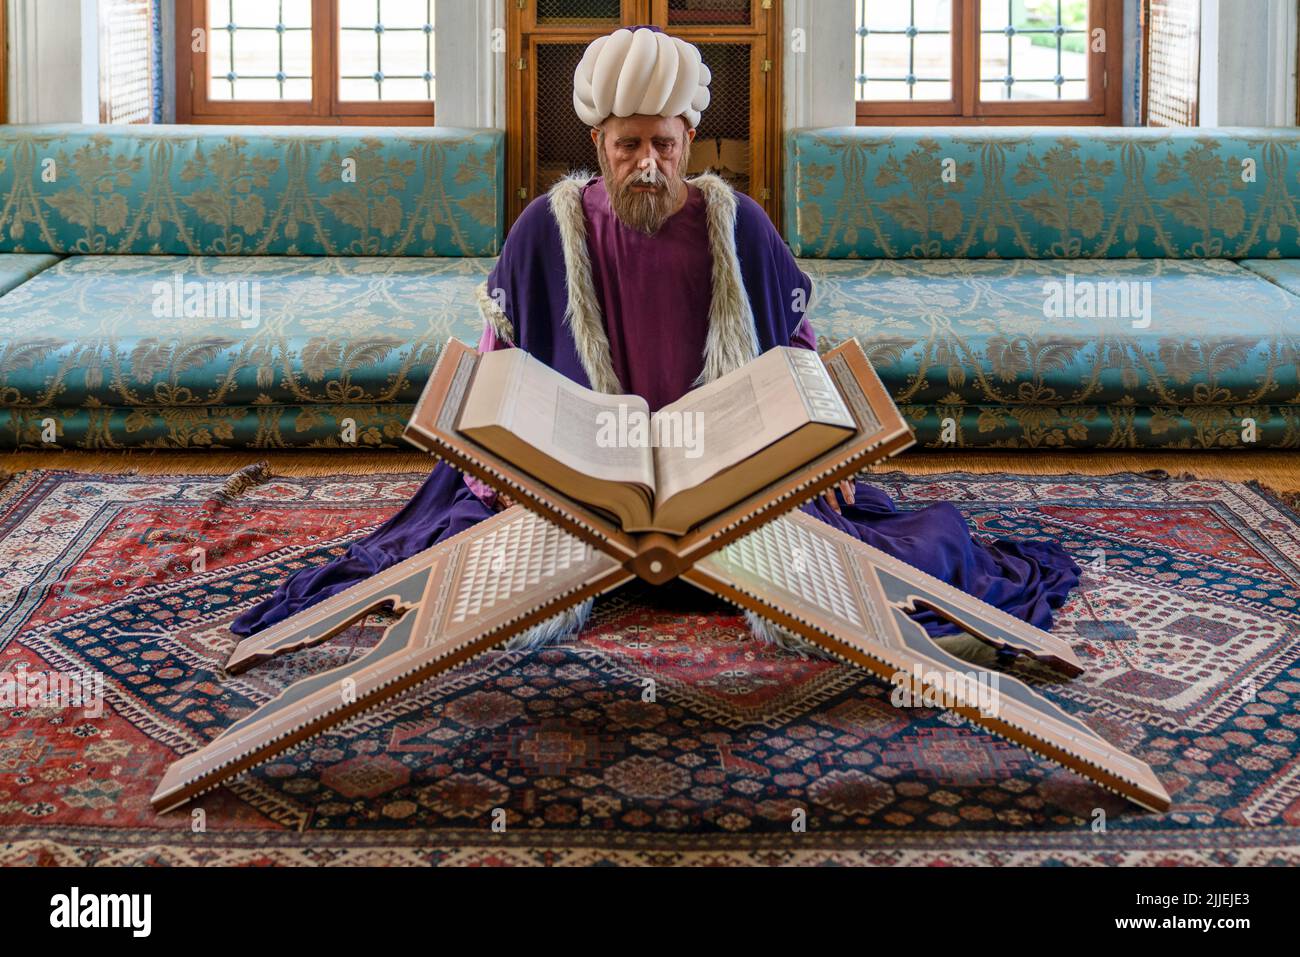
point(656, 331)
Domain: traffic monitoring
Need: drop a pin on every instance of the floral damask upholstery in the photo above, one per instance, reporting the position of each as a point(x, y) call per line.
point(287, 191)
point(938, 249)
point(361, 249)
point(1043, 193)
point(969, 341)
point(92, 343)
point(1282, 272)
point(17, 268)
point(365, 246)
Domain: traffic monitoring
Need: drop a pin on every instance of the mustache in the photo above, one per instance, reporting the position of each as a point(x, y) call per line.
point(648, 175)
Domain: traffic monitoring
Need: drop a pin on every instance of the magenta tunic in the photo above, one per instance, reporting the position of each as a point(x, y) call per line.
point(654, 294)
point(662, 310)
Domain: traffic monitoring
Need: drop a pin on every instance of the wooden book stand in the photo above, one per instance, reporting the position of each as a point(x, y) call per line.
point(549, 553)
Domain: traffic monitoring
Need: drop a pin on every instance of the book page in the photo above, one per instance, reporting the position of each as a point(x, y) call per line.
point(741, 413)
point(559, 418)
point(577, 433)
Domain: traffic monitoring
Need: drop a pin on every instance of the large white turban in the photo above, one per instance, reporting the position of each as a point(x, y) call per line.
point(640, 72)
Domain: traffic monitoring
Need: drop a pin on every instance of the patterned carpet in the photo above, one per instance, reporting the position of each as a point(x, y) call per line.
point(1188, 620)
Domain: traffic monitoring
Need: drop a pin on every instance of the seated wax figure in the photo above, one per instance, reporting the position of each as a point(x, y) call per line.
point(640, 281)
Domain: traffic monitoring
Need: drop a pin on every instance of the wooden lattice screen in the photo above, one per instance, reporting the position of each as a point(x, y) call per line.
point(1172, 64)
point(125, 61)
point(738, 134)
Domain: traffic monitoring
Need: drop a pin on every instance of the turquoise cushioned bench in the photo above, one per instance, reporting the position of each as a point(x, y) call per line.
point(942, 250)
point(331, 338)
point(359, 249)
point(934, 247)
point(17, 268)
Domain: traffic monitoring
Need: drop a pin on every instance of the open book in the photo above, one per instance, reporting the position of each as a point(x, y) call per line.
point(665, 472)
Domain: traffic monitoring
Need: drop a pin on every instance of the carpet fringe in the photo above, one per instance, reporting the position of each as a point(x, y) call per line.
point(568, 623)
point(1288, 498)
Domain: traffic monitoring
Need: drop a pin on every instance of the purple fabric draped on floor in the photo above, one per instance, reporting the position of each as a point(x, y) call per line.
point(443, 507)
point(1026, 579)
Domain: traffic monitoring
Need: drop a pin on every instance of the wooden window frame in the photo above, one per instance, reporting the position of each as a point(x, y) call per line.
point(1103, 107)
point(324, 108)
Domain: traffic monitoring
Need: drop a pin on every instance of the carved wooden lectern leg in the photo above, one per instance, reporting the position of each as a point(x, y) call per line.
point(851, 599)
point(457, 599)
point(912, 590)
point(515, 569)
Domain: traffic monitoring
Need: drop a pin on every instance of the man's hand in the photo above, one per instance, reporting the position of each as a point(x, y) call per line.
point(846, 489)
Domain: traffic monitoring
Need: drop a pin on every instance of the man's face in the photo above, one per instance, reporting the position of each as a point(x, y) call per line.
point(643, 160)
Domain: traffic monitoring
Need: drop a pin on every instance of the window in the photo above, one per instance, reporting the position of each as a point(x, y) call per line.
point(988, 61)
point(307, 61)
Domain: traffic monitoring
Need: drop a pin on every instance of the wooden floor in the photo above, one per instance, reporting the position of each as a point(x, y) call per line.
point(1277, 470)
